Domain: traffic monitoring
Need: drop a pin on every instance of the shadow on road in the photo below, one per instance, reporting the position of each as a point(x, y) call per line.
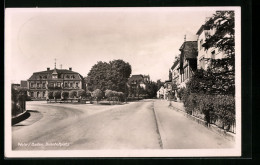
point(29, 115)
point(20, 118)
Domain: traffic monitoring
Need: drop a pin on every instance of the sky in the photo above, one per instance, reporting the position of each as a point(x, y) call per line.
point(147, 38)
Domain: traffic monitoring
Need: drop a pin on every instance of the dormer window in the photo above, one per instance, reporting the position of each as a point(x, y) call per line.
point(54, 76)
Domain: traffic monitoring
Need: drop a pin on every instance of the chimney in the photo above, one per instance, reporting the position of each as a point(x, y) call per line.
point(70, 68)
point(48, 69)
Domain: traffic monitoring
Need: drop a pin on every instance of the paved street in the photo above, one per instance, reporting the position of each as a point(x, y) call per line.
point(129, 126)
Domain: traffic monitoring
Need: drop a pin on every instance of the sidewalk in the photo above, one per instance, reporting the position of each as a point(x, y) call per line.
point(179, 132)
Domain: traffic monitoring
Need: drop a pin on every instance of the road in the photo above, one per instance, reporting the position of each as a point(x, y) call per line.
point(129, 126)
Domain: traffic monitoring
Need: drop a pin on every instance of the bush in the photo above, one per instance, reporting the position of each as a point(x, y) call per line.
point(212, 93)
point(180, 93)
point(50, 95)
point(98, 94)
point(121, 95)
point(65, 95)
point(81, 93)
point(109, 94)
point(214, 107)
point(57, 94)
point(72, 94)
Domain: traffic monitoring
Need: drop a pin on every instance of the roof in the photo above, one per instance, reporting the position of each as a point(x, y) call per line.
point(189, 49)
point(138, 77)
point(175, 64)
point(48, 73)
point(203, 27)
point(57, 70)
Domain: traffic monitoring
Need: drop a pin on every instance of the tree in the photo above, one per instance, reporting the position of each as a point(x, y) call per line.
point(120, 95)
point(65, 95)
point(151, 89)
point(18, 97)
point(98, 94)
point(159, 84)
point(72, 94)
point(81, 93)
point(50, 94)
point(112, 75)
point(224, 37)
point(109, 94)
point(57, 95)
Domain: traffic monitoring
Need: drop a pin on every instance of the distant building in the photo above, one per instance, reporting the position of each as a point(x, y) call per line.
point(40, 83)
point(139, 79)
point(175, 72)
point(160, 93)
point(188, 61)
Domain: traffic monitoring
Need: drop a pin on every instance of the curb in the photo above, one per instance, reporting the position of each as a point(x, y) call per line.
point(163, 140)
point(158, 127)
point(20, 117)
point(212, 127)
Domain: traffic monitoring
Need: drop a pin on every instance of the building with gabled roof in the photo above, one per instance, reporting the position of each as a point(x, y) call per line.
point(188, 61)
point(140, 79)
point(56, 79)
point(135, 82)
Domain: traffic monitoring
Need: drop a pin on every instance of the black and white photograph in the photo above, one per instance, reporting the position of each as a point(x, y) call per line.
point(123, 82)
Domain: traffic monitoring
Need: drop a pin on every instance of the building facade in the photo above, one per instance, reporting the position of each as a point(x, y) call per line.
point(188, 61)
point(40, 83)
point(176, 72)
point(205, 55)
point(139, 79)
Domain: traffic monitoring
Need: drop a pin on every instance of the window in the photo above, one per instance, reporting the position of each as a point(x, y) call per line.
point(51, 85)
point(77, 85)
point(31, 94)
point(67, 76)
point(201, 42)
point(58, 84)
point(32, 84)
point(43, 84)
point(43, 94)
point(38, 85)
point(66, 84)
point(213, 54)
point(71, 84)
